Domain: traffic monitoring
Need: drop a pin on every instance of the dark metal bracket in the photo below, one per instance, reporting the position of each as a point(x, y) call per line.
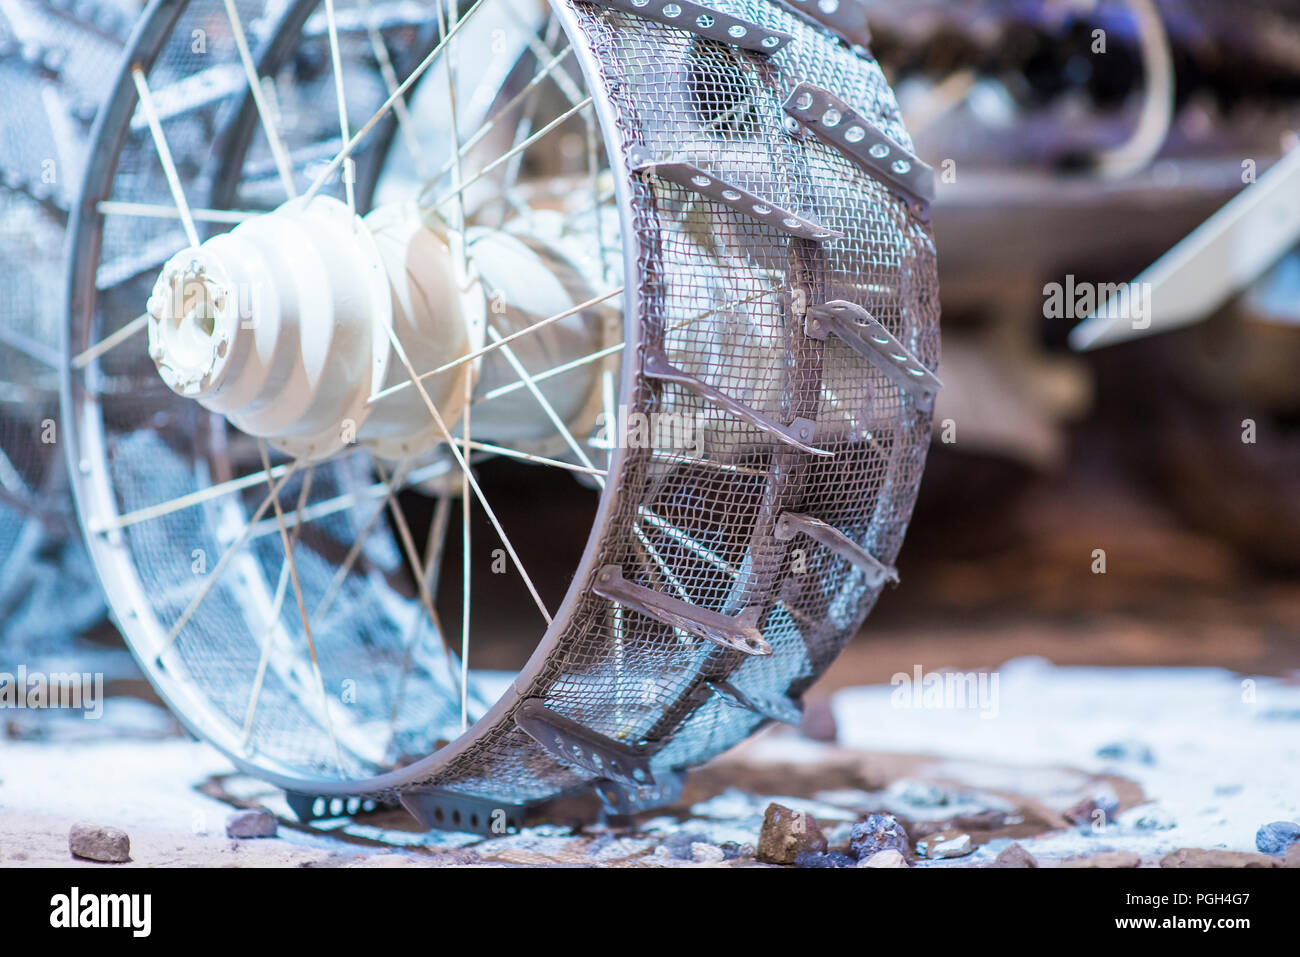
point(618, 799)
point(437, 809)
point(319, 807)
point(866, 336)
point(835, 122)
point(847, 19)
point(573, 744)
point(791, 524)
point(691, 177)
point(799, 433)
point(704, 21)
point(736, 633)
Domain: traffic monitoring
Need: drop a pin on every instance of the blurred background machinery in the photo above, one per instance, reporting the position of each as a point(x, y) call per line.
point(53, 60)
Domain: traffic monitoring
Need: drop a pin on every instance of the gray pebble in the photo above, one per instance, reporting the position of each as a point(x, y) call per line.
point(93, 843)
point(878, 832)
point(257, 822)
point(1014, 856)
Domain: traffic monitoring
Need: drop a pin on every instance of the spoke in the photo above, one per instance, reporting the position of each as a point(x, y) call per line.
point(491, 123)
point(380, 49)
point(302, 605)
point(352, 144)
point(412, 556)
point(551, 373)
point(186, 501)
point(514, 151)
point(545, 403)
point(337, 59)
point(682, 538)
point(110, 207)
point(456, 452)
point(387, 489)
point(426, 598)
point(263, 112)
point(535, 459)
point(132, 328)
point(273, 620)
point(493, 347)
point(466, 503)
point(444, 17)
point(164, 154)
point(610, 350)
point(343, 502)
point(215, 575)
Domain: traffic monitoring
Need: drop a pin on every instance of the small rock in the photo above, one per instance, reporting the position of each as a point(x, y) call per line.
point(1292, 858)
point(831, 859)
point(94, 843)
point(886, 858)
point(680, 845)
point(1014, 856)
point(256, 822)
point(1148, 817)
point(1278, 837)
point(958, 846)
point(702, 853)
point(1110, 859)
point(786, 834)
point(1128, 750)
point(732, 850)
point(1104, 799)
point(877, 833)
point(1196, 857)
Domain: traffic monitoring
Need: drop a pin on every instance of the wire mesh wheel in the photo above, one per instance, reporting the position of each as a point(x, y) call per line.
point(632, 240)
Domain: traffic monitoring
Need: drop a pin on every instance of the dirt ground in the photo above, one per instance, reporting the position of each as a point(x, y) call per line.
point(1164, 692)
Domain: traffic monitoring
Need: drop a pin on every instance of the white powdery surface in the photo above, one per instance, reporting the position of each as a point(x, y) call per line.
point(1226, 748)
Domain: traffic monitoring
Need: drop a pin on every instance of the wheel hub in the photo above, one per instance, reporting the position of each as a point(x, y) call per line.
point(298, 325)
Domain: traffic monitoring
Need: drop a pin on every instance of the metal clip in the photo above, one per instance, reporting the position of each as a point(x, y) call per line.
point(737, 633)
point(690, 176)
point(575, 745)
point(866, 336)
point(837, 123)
point(798, 433)
point(704, 21)
point(791, 524)
point(847, 19)
point(437, 809)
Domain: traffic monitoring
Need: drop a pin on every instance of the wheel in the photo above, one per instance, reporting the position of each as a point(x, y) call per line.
point(680, 252)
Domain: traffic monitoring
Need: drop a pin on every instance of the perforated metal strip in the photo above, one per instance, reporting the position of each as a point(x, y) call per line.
point(793, 523)
point(737, 633)
point(866, 336)
point(441, 810)
point(689, 176)
point(704, 21)
point(835, 122)
point(773, 707)
point(571, 743)
point(798, 433)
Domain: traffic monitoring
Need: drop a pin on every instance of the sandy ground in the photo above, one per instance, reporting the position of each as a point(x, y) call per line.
point(1206, 758)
